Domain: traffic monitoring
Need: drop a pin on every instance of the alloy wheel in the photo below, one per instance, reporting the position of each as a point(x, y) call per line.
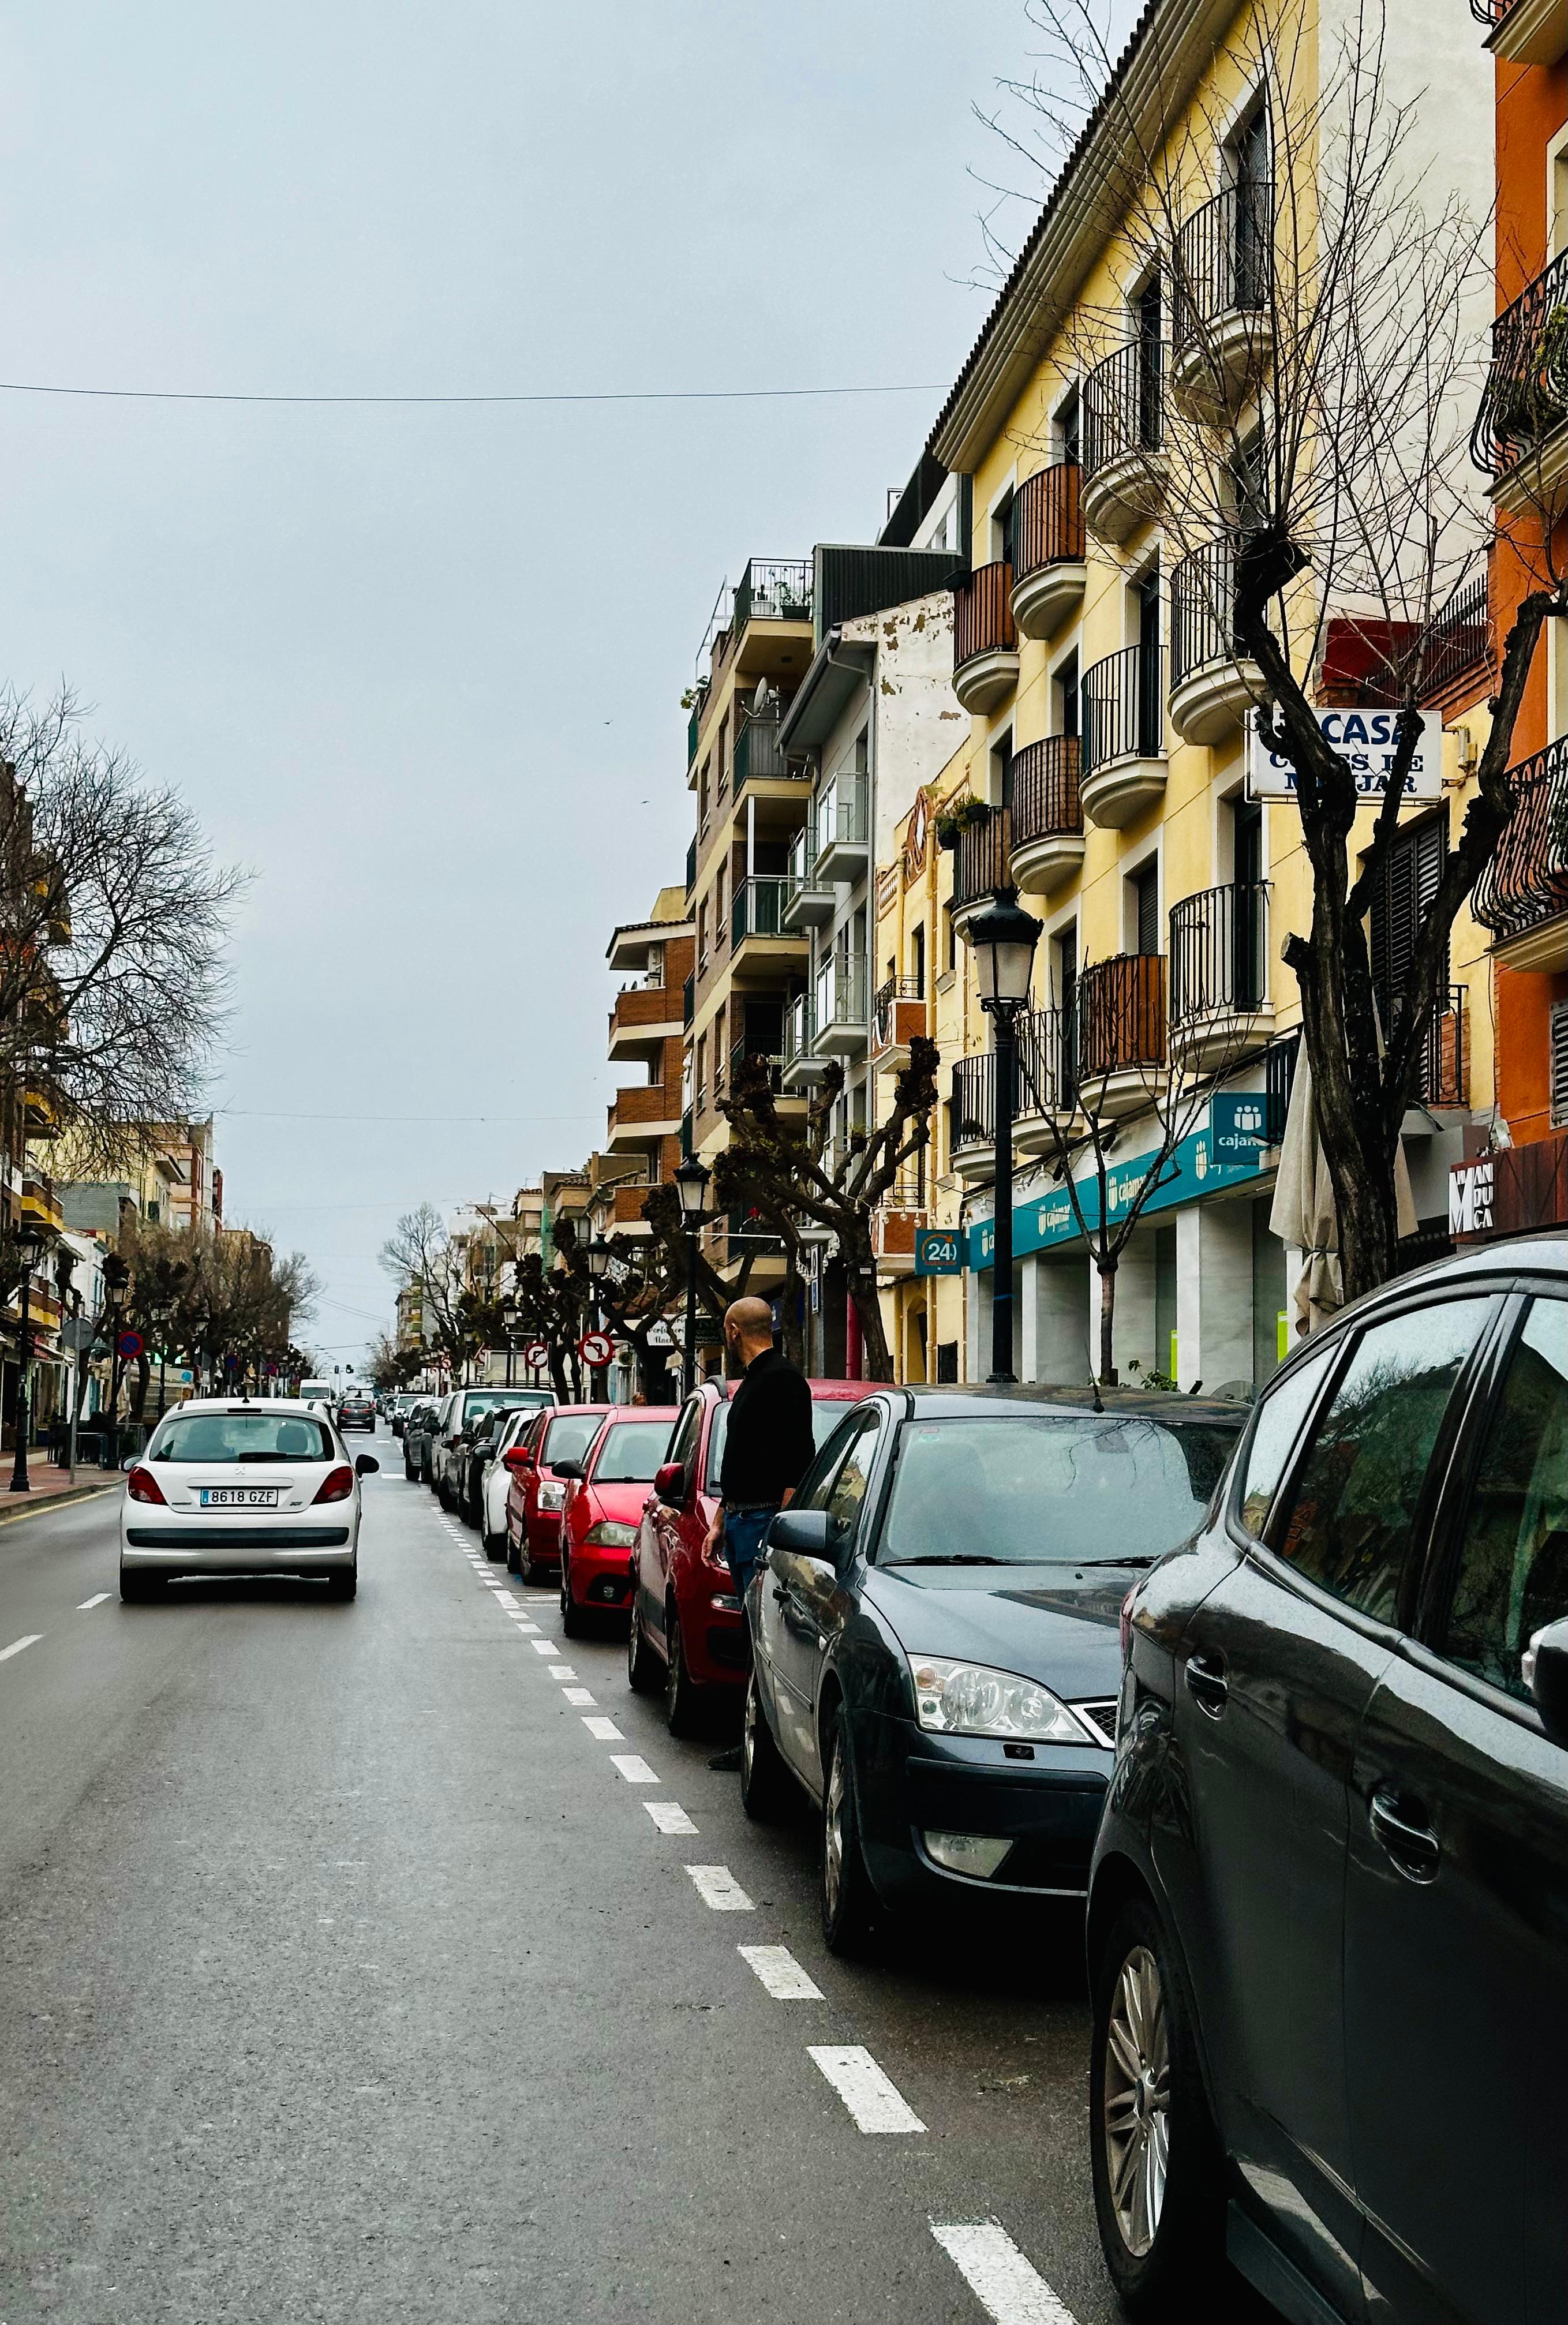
point(833, 1834)
point(1137, 2100)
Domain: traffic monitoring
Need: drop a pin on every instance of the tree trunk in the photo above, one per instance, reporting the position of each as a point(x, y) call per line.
point(1108, 1268)
point(793, 1324)
point(875, 1358)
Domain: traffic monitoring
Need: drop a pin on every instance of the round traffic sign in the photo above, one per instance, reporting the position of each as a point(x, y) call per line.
point(596, 1348)
point(537, 1352)
point(130, 1344)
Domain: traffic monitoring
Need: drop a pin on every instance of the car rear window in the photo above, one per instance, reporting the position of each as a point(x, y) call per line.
point(827, 1411)
point(632, 1451)
point(569, 1438)
point(1039, 1491)
point(249, 1433)
point(485, 1400)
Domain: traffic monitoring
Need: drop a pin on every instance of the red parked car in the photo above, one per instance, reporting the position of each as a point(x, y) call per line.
point(687, 1633)
point(537, 1496)
point(604, 1507)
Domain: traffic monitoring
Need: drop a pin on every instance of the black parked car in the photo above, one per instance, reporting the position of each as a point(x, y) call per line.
point(419, 1422)
point(476, 1447)
point(357, 1411)
point(1328, 1923)
point(934, 1626)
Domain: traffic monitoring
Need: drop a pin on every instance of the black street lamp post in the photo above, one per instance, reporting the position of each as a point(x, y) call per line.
point(29, 1245)
point(598, 1255)
point(509, 1315)
point(116, 1292)
point(691, 1191)
point(1004, 940)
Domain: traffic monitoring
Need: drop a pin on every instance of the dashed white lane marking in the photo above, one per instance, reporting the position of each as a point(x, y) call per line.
point(1007, 2286)
point(529, 1630)
point(95, 1600)
point(578, 1695)
point(602, 1730)
point(669, 1816)
point(547, 1646)
point(717, 1886)
point(504, 1597)
point(17, 1644)
point(780, 1972)
point(562, 1671)
point(871, 2096)
point(630, 1765)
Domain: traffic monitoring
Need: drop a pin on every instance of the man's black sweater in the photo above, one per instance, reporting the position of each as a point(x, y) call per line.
point(769, 1445)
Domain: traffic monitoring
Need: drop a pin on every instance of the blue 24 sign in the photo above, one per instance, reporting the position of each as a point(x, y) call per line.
point(938, 1251)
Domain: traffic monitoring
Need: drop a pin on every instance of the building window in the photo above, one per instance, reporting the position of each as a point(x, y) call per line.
point(1406, 887)
point(1146, 888)
point(917, 961)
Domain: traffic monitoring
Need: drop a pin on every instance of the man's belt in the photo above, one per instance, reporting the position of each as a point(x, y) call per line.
point(749, 1509)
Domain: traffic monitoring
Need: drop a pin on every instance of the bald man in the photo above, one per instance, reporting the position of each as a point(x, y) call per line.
point(768, 1445)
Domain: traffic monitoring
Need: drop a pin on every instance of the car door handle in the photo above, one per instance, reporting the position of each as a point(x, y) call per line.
point(1206, 1683)
point(1404, 1832)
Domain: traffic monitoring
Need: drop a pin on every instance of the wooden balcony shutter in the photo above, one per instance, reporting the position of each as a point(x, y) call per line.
point(1558, 1077)
point(1411, 872)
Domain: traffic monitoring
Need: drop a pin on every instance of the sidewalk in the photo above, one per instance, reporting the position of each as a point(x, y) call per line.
point(48, 1486)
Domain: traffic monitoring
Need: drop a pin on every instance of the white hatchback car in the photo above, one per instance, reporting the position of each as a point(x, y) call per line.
point(232, 1486)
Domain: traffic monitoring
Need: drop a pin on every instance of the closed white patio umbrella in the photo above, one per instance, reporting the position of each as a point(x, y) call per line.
point(1303, 1214)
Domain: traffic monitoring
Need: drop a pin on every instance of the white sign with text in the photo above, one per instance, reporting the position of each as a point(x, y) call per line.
point(1366, 740)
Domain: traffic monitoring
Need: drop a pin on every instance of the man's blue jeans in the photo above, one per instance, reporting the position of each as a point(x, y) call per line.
point(743, 1533)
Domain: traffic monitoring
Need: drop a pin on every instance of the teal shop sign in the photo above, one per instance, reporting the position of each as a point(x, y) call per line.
point(1195, 1167)
point(938, 1251)
point(1239, 1122)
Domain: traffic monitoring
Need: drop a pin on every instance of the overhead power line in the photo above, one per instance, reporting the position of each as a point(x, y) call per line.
point(584, 395)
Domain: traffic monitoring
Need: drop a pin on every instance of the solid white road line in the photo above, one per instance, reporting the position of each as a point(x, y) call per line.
point(630, 1765)
point(669, 1816)
point(717, 1886)
point(872, 2099)
point(95, 1600)
point(780, 1972)
point(602, 1730)
point(17, 1644)
point(547, 1646)
point(1005, 2284)
point(579, 1695)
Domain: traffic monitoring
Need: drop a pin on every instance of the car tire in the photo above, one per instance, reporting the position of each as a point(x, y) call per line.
point(572, 1621)
point(526, 1566)
point(848, 1901)
point(514, 1556)
point(641, 1664)
point(1145, 2066)
point(137, 1588)
point(343, 1583)
point(764, 1781)
point(682, 1697)
point(411, 1476)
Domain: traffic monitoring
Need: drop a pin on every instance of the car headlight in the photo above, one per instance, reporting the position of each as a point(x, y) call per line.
point(552, 1497)
point(608, 1534)
point(958, 1699)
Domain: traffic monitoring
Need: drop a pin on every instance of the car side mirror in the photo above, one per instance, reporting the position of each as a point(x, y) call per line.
point(517, 1459)
point(804, 1534)
point(567, 1469)
point(670, 1483)
point(130, 1460)
point(367, 1466)
point(1545, 1665)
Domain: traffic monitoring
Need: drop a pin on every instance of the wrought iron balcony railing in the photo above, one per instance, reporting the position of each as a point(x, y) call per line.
point(1459, 639)
point(1442, 1077)
point(757, 752)
point(884, 1007)
point(1124, 405)
point(1219, 948)
point(1121, 1014)
point(1526, 881)
point(1045, 800)
point(980, 860)
point(1048, 520)
point(772, 590)
point(1526, 390)
point(1223, 262)
point(974, 1100)
point(1122, 699)
point(1047, 1065)
point(982, 619)
point(1203, 609)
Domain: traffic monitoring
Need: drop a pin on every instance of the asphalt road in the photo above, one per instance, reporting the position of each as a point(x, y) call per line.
point(344, 1974)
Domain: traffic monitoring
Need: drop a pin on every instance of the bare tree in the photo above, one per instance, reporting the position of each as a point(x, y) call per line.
point(1302, 434)
point(112, 982)
point(420, 1254)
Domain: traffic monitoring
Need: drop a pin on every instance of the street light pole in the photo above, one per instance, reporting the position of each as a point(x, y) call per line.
point(29, 1244)
point(691, 1189)
point(1004, 940)
point(116, 1292)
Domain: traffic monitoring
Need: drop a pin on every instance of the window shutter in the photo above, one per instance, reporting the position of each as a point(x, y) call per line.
point(1149, 910)
point(1559, 1065)
point(1412, 870)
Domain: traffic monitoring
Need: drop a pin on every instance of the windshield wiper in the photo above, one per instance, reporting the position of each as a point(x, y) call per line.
point(951, 1558)
point(1114, 1562)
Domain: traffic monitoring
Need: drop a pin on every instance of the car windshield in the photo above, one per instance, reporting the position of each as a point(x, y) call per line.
point(827, 1411)
point(486, 1400)
point(247, 1433)
point(1034, 1490)
point(633, 1450)
point(569, 1439)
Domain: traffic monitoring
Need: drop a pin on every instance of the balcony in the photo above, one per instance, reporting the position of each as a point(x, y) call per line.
point(974, 1117)
point(758, 756)
point(772, 589)
point(688, 1001)
point(39, 1207)
point(898, 1016)
point(695, 724)
point(643, 1018)
point(1213, 684)
point(1121, 1033)
point(1524, 32)
point(895, 1223)
point(982, 866)
point(1048, 570)
point(808, 901)
point(40, 1115)
point(626, 1216)
point(1443, 1076)
point(650, 1111)
point(1122, 751)
point(1218, 979)
point(800, 1065)
point(843, 828)
point(1521, 429)
point(1047, 1108)
point(842, 1019)
point(691, 868)
point(1222, 324)
point(1048, 815)
point(741, 1051)
point(984, 643)
point(760, 938)
point(1522, 896)
point(1124, 467)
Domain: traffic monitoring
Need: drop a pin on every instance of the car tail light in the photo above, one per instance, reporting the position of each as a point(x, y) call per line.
point(143, 1486)
point(337, 1485)
point(1126, 1622)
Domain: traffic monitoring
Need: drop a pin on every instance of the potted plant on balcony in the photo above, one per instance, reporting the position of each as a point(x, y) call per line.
point(963, 814)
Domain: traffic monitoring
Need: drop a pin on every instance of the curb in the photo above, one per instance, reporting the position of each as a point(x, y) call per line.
point(54, 1502)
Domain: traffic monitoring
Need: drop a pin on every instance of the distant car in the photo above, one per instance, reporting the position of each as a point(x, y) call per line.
point(537, 1494)
point(460, 1408)
point(357, 1411)
point(228, 1486)
point(935, 1623)
point(476, 1448)
point(604, 1507)
point(417, 1425)
point(686, 1633)
point(398, 1408)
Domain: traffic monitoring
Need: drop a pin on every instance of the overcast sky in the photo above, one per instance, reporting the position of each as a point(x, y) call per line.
point(420, 670)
